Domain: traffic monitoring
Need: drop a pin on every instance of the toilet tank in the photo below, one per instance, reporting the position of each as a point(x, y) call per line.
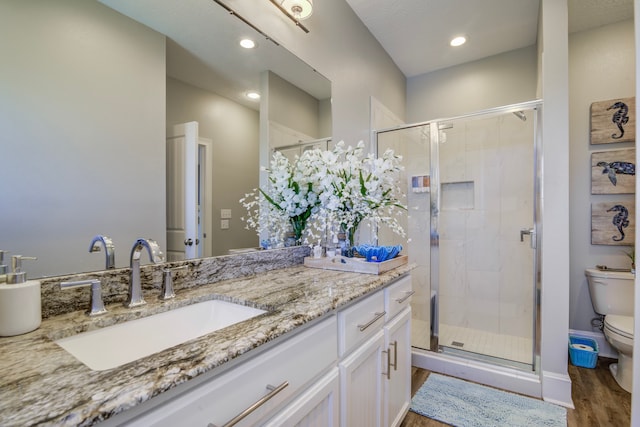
point(611, 291)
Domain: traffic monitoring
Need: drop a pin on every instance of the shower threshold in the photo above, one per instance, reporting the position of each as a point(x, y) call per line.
point(493, 360)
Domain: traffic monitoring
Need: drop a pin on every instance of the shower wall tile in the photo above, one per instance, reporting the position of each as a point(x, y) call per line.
point(495, 270)
point(453, 272)
point(484, 285)
point(453, 160)
point(484, 315)
point(420, 303)
point(481, 222)
point(483, 252)
point(453, 225)
point(453, 310)
point(515, 320)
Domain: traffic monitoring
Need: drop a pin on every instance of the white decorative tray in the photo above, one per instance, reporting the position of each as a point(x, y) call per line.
point(356, 265)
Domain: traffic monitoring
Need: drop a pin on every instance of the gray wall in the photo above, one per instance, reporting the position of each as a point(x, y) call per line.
point(234, 131)
point(495, 81)
point(601, 67)
point(82, 96)
point(293, 107)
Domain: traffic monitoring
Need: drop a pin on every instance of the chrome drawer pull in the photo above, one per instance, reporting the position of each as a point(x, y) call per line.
point(259, 403)
point(388, 373)
point(372, 321)
point(395, 355)
point(409, 294)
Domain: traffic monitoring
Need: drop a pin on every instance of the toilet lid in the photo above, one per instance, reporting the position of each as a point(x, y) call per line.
point(622, 325)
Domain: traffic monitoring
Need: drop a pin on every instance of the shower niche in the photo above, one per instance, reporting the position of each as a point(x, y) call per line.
point(457, 195)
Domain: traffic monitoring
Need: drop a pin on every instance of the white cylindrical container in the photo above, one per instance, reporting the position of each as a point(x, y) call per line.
point(20, 309)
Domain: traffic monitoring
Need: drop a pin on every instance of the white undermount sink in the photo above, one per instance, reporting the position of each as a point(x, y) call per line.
point(116, 345)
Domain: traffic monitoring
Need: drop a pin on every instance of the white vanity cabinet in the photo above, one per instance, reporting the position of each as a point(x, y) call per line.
point(375, 358)
point(397, 333)
point(255, 389)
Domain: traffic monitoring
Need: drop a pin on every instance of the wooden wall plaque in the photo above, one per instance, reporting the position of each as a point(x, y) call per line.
point(613, 172)
point(613, 223)
point(613, 121)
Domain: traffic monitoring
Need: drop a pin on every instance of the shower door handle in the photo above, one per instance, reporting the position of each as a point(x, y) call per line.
point(531, 232)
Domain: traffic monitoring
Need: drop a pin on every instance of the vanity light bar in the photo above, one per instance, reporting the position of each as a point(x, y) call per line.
point(240, 17)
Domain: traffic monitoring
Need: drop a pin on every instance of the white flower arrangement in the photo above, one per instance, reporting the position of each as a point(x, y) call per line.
point(325, 189)
point(358, 187)
point(290, 200)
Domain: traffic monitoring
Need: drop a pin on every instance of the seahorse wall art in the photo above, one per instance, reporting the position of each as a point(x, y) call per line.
point(613, 172)
point(612, 223)
point(613, 121)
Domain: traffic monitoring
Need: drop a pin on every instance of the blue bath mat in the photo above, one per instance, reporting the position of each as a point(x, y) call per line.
point(464, 404)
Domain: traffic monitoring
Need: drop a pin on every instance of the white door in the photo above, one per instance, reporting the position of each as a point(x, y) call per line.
point(185, 187)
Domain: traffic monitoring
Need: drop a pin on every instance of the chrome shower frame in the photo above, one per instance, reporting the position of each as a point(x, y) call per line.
point(435, 126)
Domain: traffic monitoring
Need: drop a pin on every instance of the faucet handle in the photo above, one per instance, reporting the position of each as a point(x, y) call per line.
point(167, 282)
point(97, 305)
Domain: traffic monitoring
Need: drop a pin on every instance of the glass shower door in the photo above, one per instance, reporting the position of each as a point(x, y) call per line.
point(486, 252)
point(472, 202)
point(414, 145)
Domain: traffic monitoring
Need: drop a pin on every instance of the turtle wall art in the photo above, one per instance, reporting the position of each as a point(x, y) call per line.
point(613, 121)
point(612, 223)
point(613, 172)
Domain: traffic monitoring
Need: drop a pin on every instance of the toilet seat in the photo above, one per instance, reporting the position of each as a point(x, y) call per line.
point(621, 325)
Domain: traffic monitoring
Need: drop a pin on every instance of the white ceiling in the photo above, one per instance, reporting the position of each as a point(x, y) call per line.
point(416, 33)
point(202, 37)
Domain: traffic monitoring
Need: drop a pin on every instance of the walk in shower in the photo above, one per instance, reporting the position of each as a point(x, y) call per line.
point(472, 195)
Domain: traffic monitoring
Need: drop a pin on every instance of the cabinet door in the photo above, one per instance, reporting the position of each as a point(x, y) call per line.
point(397, 371)
point(361, 397)
point(316, 407)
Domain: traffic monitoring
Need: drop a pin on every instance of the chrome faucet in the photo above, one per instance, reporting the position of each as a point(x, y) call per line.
point(109, 249)
point(135, 288)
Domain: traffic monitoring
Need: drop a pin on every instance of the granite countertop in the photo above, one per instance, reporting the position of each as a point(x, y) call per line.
point(42, 384)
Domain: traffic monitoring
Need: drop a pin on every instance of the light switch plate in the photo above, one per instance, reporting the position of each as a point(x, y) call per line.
point(225, 213)
point(224, 224)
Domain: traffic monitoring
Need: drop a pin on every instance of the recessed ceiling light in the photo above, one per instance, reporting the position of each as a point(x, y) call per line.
point(253, 95)
point(458, 41)
point(247, 43)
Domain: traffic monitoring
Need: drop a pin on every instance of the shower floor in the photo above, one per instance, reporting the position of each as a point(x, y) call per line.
point(508, 347)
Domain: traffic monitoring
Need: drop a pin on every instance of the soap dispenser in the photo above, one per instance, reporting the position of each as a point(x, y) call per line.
point(20, 309)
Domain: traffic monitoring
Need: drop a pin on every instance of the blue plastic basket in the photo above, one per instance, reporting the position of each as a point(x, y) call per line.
point(583, 357)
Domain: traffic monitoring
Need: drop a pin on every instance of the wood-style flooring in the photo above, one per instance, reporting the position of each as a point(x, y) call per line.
point(598, 399)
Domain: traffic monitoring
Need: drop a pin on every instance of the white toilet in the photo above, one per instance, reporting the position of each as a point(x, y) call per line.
point(612, 296)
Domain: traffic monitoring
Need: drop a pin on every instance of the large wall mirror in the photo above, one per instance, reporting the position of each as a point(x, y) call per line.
point(90, 92)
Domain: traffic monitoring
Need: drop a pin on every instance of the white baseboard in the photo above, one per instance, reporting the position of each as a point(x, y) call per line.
point(556, 389)
point(604, 349)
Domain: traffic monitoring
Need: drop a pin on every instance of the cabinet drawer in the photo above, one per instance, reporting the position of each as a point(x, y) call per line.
point(280, 372)
point(360, 321)
point(317, 406)
point(397, 297)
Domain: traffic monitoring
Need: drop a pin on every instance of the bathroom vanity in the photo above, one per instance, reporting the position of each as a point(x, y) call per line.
point(332, 346)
